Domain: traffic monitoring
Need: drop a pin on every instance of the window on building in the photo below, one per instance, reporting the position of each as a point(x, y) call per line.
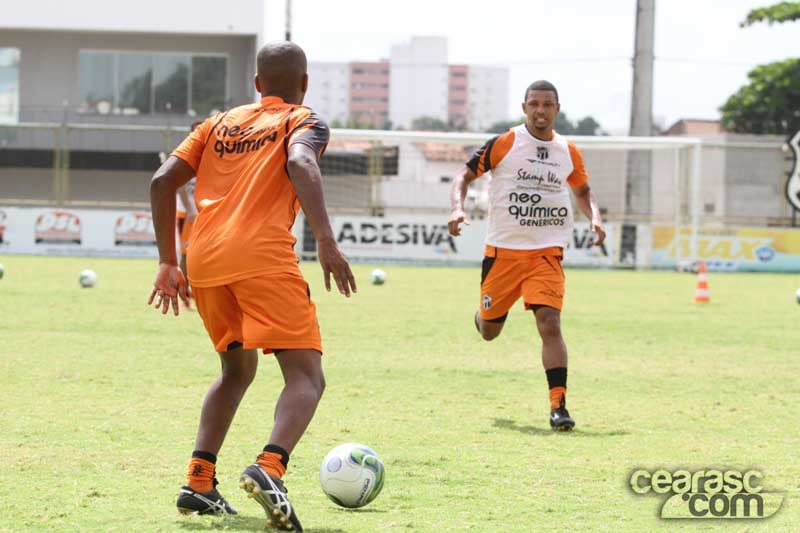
point(9, 85)
point(135, 83)
point(209, 75)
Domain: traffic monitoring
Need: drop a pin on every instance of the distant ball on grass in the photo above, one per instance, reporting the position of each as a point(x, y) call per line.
point(378, 277)
point(2, 271)
point(87, 278)
point(796, 294)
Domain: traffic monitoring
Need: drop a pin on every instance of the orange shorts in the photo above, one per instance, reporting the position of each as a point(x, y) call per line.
point(272, 312)
point(535, 275)
point(184, 231)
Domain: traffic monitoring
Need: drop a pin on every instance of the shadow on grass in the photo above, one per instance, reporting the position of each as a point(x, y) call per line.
point(237, 523)
point(505, 423)
point(360, 510)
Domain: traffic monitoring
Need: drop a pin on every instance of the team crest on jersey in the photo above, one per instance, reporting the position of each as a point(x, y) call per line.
point(487, 301)
point(542, 153)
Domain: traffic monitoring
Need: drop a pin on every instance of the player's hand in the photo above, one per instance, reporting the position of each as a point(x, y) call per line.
point(457, 217)
point(167, 288)
point(334, 262)
point(599, 231)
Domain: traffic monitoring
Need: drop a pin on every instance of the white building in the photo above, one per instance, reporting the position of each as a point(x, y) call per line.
point(418, 80)
point(329, 90)
point(487, 98)
point(182, 58)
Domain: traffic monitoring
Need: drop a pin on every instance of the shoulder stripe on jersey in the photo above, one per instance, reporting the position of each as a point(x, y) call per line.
point(487, 154)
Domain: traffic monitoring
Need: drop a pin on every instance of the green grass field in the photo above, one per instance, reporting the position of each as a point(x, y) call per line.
point(101, 395)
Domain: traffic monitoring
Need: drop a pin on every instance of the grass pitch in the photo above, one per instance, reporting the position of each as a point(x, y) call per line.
point(101, 397)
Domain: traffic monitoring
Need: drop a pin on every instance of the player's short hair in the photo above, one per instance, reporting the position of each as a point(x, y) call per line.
point(281, 65)
point(541, 85)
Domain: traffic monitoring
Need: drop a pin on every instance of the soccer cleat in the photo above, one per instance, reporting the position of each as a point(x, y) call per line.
point(271, 494)
point(192, 502)
point(560, 419)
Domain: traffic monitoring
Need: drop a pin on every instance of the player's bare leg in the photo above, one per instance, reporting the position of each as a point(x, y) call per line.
point(489, 329)
point(554, 360)
point(238, 370)
point(222, 400)
point(304, 383)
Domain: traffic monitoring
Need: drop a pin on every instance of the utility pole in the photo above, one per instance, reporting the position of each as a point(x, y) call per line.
point(288, 34)
point(638, 186)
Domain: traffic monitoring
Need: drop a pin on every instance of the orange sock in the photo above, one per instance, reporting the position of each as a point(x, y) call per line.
point(201, 475)
point(271, 463)
point(557, 396)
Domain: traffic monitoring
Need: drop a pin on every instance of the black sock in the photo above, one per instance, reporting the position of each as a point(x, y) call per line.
point(274, 448)
point(556, 377)
point(205, 456)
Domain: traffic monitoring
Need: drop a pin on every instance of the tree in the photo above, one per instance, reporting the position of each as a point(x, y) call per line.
point(777, 13)
point(585, 126)
point(504, 125)
point(770, 103)
point(426, 123)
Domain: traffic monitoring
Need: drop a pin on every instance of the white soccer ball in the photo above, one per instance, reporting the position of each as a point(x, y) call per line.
point(797, 295)
point(351, 475)
point(87, 279)
point(378, 277)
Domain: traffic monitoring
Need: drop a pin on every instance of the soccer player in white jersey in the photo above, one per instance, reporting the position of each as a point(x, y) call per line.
point(530, 223)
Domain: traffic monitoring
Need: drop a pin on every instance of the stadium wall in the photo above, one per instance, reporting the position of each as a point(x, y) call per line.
point(412, 239)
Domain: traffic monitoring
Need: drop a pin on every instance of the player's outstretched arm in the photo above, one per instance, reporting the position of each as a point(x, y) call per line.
point(587, 203)
point(458, 193)
point(169, 284)
point(306, 177)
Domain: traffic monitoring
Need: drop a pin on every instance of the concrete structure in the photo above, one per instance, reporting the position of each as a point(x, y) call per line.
point(147, 71)
point(419, 76)
point(488, 90)
point(415, 82)
point(160, 58)
point(369, 93)
point(693, 127)
point(458, 96)
point(328, 90)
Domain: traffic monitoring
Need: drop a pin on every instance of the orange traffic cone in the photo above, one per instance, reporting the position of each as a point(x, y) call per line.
point(701, 293)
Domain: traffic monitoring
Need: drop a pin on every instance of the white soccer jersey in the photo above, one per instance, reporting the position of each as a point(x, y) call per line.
point(529, 202)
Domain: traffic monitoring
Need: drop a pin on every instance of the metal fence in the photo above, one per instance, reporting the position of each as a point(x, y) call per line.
point(730, 180)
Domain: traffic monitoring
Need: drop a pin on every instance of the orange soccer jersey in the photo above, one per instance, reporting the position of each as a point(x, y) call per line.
point(245, 200)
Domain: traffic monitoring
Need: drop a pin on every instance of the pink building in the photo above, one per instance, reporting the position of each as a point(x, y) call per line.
point(457, 95)
point(369, 92)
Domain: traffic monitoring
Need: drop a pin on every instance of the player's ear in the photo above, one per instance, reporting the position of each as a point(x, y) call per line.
point(257, 84)
point(523, 108)
point(304, 83)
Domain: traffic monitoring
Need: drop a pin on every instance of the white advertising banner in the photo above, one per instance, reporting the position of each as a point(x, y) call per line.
point(77, 232)
point(426, 239)
point(118, 233)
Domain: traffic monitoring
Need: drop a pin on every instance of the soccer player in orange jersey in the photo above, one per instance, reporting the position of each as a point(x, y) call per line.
point(532, 171)
point(256, 165)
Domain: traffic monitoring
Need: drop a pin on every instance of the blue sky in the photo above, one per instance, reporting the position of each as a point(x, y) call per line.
point(583, 46)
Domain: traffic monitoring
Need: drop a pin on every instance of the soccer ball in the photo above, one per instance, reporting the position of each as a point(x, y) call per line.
point(796, 294)
point(87, 279)
point(378, 277)
point(351, 475)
